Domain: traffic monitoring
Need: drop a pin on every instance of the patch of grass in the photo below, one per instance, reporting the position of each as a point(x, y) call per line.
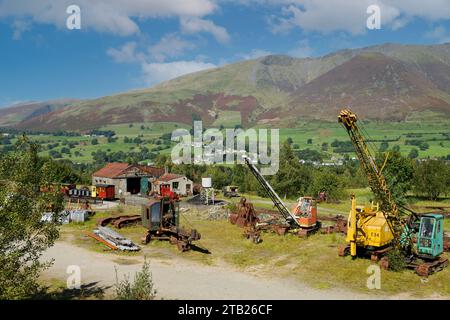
point(56, 289)
point(228, 119)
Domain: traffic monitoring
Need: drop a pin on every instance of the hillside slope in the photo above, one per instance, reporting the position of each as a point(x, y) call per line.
point(15, 114)
point(386, 82)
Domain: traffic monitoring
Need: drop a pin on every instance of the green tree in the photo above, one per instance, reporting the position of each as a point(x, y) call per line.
point(384, 146)
point(399, 173)
point(413, 154)
point(221, 176)
point(23, 237)
point(94, 141)
point(330, 182)
point(162, 161)
point(61, 171)
point(431, 178)
point(292, 179)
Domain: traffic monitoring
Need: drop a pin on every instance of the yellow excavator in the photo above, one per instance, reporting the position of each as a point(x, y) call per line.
point(374, 231)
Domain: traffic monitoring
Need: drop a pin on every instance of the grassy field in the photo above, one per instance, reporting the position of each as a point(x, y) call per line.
point(323, 132)
point(306, 135)
point(313, 261)
point(316, 132)
point(82, 151)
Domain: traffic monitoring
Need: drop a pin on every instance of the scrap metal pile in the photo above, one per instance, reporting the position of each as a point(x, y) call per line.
point(67, 216)
point(245, 217)
point(255, 222)
point(113, 239)
point(120, 221)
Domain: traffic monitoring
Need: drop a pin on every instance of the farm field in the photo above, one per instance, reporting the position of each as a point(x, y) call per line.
point(429, 138)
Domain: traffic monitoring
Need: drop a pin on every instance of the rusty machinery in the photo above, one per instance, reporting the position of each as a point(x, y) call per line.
point(246, 217)
point(162, 219)
point(302, 220)
point(120, 221)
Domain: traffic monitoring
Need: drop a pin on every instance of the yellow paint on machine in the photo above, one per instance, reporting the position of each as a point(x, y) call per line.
point(367, 227)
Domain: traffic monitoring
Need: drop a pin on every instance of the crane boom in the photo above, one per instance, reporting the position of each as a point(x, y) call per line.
point(290, 218)
point(377, 181)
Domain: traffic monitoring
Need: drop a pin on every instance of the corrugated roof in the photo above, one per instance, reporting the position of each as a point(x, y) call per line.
point(154, 171)
point(170, 176)
point(111, 170)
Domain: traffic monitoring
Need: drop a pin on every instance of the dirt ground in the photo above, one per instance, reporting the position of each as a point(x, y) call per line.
point(179, 278)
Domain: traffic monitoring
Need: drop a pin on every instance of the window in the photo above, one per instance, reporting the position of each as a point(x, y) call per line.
point(175, 185)
point(427, 227)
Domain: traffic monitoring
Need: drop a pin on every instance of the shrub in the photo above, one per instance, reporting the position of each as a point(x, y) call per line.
point(396, 260)
point(140, 289)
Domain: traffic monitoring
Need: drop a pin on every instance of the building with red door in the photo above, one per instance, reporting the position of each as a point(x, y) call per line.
point(126, 179)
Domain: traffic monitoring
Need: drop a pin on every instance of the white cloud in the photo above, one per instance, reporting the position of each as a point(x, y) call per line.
point(332, 15)
point(303, 50)
point(350, 16)
point(158, 72)
point(169, 46)
point(154, 68)
point(195, 25)
point(112, 16)
point(254, 54)
point(125, 54)
point(440, 34)
point(20, 26)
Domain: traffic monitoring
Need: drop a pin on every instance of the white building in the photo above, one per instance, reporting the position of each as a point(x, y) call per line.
point(178, 183)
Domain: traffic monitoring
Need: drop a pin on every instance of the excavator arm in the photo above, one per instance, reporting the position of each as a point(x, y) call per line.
point(290, 218)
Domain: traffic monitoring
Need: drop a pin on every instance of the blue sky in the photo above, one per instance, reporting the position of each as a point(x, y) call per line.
point(131, 44)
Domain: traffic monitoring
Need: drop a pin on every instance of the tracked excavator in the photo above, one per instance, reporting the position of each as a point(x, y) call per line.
point(374, 231)
point(302, 220)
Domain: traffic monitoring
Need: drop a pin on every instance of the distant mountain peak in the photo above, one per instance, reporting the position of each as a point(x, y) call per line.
point(386, 81)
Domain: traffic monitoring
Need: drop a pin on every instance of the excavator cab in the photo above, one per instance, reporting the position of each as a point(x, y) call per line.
point(306, 212)
point(430, 239)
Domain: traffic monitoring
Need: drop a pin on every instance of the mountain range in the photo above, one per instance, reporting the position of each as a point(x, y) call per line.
point(383, 82)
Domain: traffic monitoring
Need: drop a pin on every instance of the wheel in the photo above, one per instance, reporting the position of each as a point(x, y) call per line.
point(257, 239)
point(343, 250)
point(146, 239)
point(423, 270)
point(183, 246)
point(384, 263)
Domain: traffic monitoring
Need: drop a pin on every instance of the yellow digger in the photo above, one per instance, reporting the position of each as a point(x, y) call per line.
point(377, 229)
point(367, 228)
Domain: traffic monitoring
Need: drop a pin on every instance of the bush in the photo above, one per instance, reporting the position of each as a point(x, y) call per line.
point(396, 260)
point(140, 289)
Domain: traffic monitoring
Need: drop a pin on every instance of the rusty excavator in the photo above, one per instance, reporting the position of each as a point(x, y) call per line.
point(301, 220)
